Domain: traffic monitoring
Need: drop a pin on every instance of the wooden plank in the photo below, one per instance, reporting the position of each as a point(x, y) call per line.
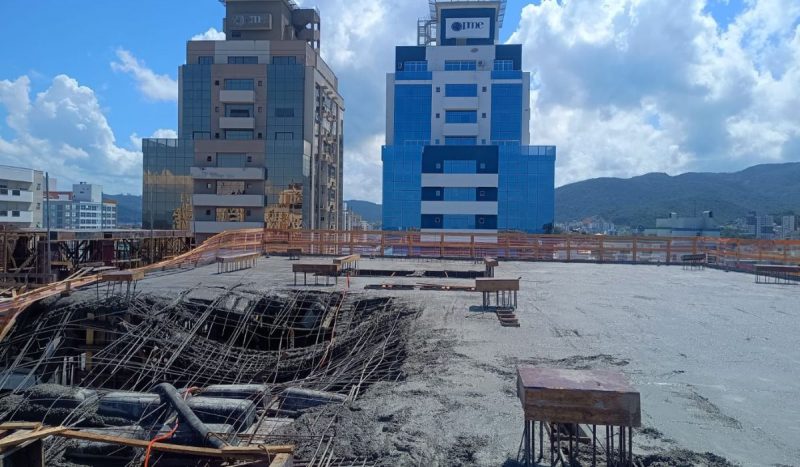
point(25, 435)
point(282, 460)
point(122, 276)
point(316, 268)
point(342, 260)
point(597, 397)
point(227, 452)
point(20, 426)
point(777, 268)
point(496, 285)
point(237, 257)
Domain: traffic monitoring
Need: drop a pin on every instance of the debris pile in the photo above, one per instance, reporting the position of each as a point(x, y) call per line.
point(227, 371)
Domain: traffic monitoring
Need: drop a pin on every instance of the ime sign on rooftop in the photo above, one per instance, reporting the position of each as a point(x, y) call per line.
point(468, 28)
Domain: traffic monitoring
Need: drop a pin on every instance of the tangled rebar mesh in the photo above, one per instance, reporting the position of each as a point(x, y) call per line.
point(61, 360)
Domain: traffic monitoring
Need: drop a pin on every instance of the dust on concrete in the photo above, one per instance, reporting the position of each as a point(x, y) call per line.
point(666, 329)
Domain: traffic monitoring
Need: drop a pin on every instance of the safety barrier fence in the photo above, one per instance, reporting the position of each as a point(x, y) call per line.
point(735, 254)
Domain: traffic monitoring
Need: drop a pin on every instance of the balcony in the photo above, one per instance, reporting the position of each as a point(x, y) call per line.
point(16, 196)
point(237, 123)
point(459, 129)
point(471, 103)
point(228, 173)
point(17, 174)
point(237, 97)
point(15, 217)
point(212, 227)
point(229, 201)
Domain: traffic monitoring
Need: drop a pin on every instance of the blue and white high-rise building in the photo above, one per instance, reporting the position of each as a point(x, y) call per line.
point(458, 154)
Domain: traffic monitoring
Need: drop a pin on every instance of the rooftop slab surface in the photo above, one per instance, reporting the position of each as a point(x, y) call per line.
point(714, 356)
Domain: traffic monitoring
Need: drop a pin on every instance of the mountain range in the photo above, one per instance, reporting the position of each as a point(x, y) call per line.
point(636, 201)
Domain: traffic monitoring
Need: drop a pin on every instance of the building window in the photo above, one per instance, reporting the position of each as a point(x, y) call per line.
point(483, 115)
point(483, 88)
point(239, 110)
point(238, 134)
point(483, 165)
point(208, 212)
point(260, 136)
point(483, 141)
point(230, 159)
point(438, 165)
point(461, 116)
point(461, 90)
point(205, 60)
point(216, 109)
point(438, 89)
point(438, 115)
point(250, 158)
point(420, 65)
point(460, 167)
point(260, 83)
point(208, 158)
point(460, 140)
point(291, 60)
point(243, 60)
point(284, 135)
point(216, 135)
point(284, 112)
point(238, 84)
point(503, 65)
point(260, 109)
point(460, 65)
point(236, 34)
point(437, 141)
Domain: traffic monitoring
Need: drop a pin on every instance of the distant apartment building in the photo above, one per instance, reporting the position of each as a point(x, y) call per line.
point(674, 226)
point(82, 209)
point(354, 221)
point(260, 137)
point(761, 226)
point(458, 156)
point(21, 197)
point(789, 227)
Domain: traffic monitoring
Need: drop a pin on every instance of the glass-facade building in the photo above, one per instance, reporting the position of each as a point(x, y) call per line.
point(260, 130)
point(458, 154)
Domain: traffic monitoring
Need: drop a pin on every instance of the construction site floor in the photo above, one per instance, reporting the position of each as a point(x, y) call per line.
point(714, 355)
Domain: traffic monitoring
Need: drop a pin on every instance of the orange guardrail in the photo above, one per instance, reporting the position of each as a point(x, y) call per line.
point(739, 254)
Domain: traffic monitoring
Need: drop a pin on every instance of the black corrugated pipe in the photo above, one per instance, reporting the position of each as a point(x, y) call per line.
point(170, 396)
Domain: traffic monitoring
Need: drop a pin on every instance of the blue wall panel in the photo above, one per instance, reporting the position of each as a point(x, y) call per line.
point(507, 112)
point(412, 113)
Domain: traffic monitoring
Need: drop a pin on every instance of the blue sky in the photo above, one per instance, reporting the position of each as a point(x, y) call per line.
point(623, 87)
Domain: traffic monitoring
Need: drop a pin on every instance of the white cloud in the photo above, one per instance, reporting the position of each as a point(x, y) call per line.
point(211, 35)
point(136, 140)
point(363, 170)
point(625, 87)
point(358, 41)
point(154, 86)
point(63, 130)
